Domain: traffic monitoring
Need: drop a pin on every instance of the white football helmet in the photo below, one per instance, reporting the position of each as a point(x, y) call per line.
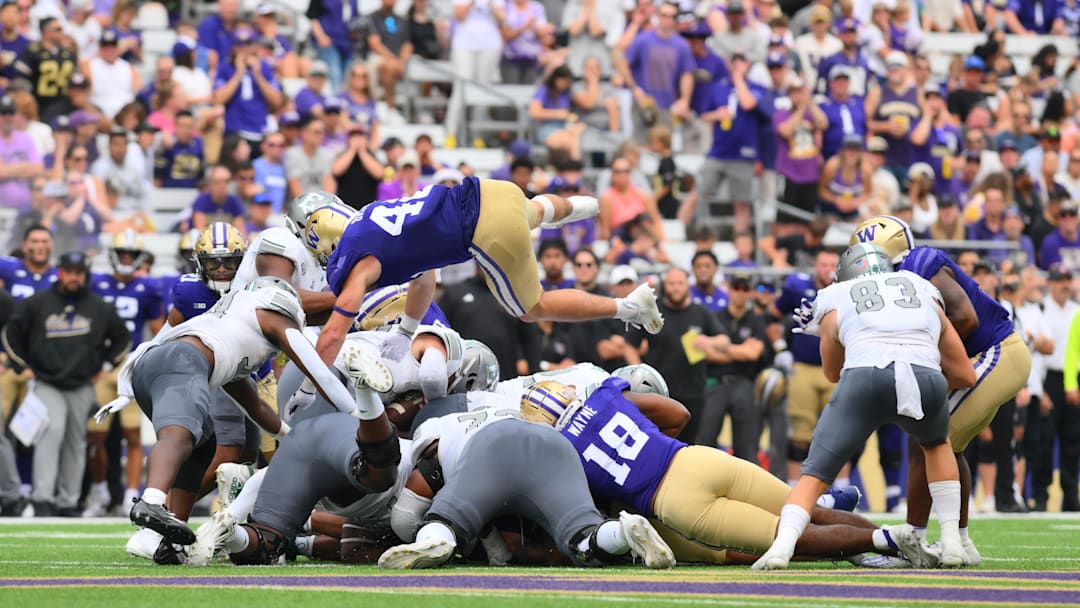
point(479, 369)
point(643, 378)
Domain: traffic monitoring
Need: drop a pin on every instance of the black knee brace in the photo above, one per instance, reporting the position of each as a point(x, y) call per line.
point(269, 548)
point(379, 454)
point(798, 453)
point(594, 557)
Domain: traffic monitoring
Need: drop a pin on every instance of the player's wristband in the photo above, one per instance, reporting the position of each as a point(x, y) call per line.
point(345, 313)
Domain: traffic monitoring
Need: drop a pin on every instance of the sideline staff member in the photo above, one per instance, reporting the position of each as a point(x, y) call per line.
point(64, 335)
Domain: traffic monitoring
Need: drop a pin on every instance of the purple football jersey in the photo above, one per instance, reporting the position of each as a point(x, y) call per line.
point(431, 229)
point(136, 301)
point(994, 322)
point(20, 282)
point(624, 454)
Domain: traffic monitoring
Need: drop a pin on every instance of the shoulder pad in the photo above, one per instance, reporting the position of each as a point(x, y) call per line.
point(280, 297)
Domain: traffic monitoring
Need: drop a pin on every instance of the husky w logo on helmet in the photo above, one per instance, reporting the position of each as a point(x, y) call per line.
point(866, 235)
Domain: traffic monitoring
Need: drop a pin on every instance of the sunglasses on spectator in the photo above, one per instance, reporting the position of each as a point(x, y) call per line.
point(275, 144)
point(1074, 159)
point(80, 158)
point(1069, 213)
point(7, 112)
point(584, 264)
point(740, 287)
point(974, 142)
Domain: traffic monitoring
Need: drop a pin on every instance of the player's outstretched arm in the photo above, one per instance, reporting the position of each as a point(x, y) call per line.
point(244, 393)
point(954, 360)
point(347, 306)
point(666, 413)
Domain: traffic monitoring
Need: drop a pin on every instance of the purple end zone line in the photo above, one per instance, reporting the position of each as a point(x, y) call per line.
point(1047, 576)
point(775, 588)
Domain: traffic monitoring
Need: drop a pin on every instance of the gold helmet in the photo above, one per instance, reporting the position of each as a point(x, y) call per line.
point(218, 253)
point(127, 242)
point(887, 232)
point(547, 402)
point(382, 306)
point(185, 251)
point(324, 229)
point(770, 388)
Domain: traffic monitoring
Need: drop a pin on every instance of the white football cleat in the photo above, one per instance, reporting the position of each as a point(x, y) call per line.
point(427, 554)
point(647, 315)
point(952, 555)
point(231, 477)
point(878, 561)
point(368, 372)
point(913, 548)
point(212, 537)
point(143, 543)
point(971, 554)
point(645, 542)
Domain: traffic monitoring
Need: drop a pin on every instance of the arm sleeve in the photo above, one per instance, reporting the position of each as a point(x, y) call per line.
point(1072, 355)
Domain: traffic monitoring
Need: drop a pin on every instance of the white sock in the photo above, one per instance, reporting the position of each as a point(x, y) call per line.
point(920, 532)
point(153, 496)
point(625, 310)
point(793, 522)
point(609, 538)
point(827, 501)
point(841, 482)
point(305, 545)
point(433, 376)
point(244, 503)
point(369, 405)
point(963, 533)
point(238, 541)
point(881, 542)
point(99, 487)
point(946, 497)
point(307, 525)
point(434, 531)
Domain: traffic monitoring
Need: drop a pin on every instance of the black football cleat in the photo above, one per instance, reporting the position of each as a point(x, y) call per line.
point(159, 520)
point(168, 554)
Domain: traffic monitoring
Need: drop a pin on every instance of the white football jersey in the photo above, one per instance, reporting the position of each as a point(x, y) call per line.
point(884, 318)
point(308, 274)
point(584, 377)
point(374, 509)
point(231, 329)
point(455, 430)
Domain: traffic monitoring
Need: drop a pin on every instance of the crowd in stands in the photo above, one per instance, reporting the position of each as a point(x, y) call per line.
point(830, 108)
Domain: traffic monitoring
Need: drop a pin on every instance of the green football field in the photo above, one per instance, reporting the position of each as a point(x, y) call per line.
point(1029, 561)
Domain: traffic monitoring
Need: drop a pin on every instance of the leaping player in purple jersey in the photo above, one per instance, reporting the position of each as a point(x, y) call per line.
point(489, 221)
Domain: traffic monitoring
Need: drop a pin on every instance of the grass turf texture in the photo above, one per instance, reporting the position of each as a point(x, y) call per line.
point(1030, 560)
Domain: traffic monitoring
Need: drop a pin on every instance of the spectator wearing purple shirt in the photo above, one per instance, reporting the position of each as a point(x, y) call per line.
point(658, 67)
point(309, 100)
point(20, 161)
point(736, 114)
point(12, 42)
point(123, 21)
point(337, 136)
point(704, 290)
point(521, 27)
point(282, 54)
point(799, 125)
point(248, 89)
point(845, 112)
point(216, 32)
point(330, 31)
point(708, 66)
point(1027, 17)
point(851, 57)
point(1063, 244)
point(216, 204)
point(406, 180)
point(1014, 232)
point(518, 149)
point(990, 227)
point(935, 140)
